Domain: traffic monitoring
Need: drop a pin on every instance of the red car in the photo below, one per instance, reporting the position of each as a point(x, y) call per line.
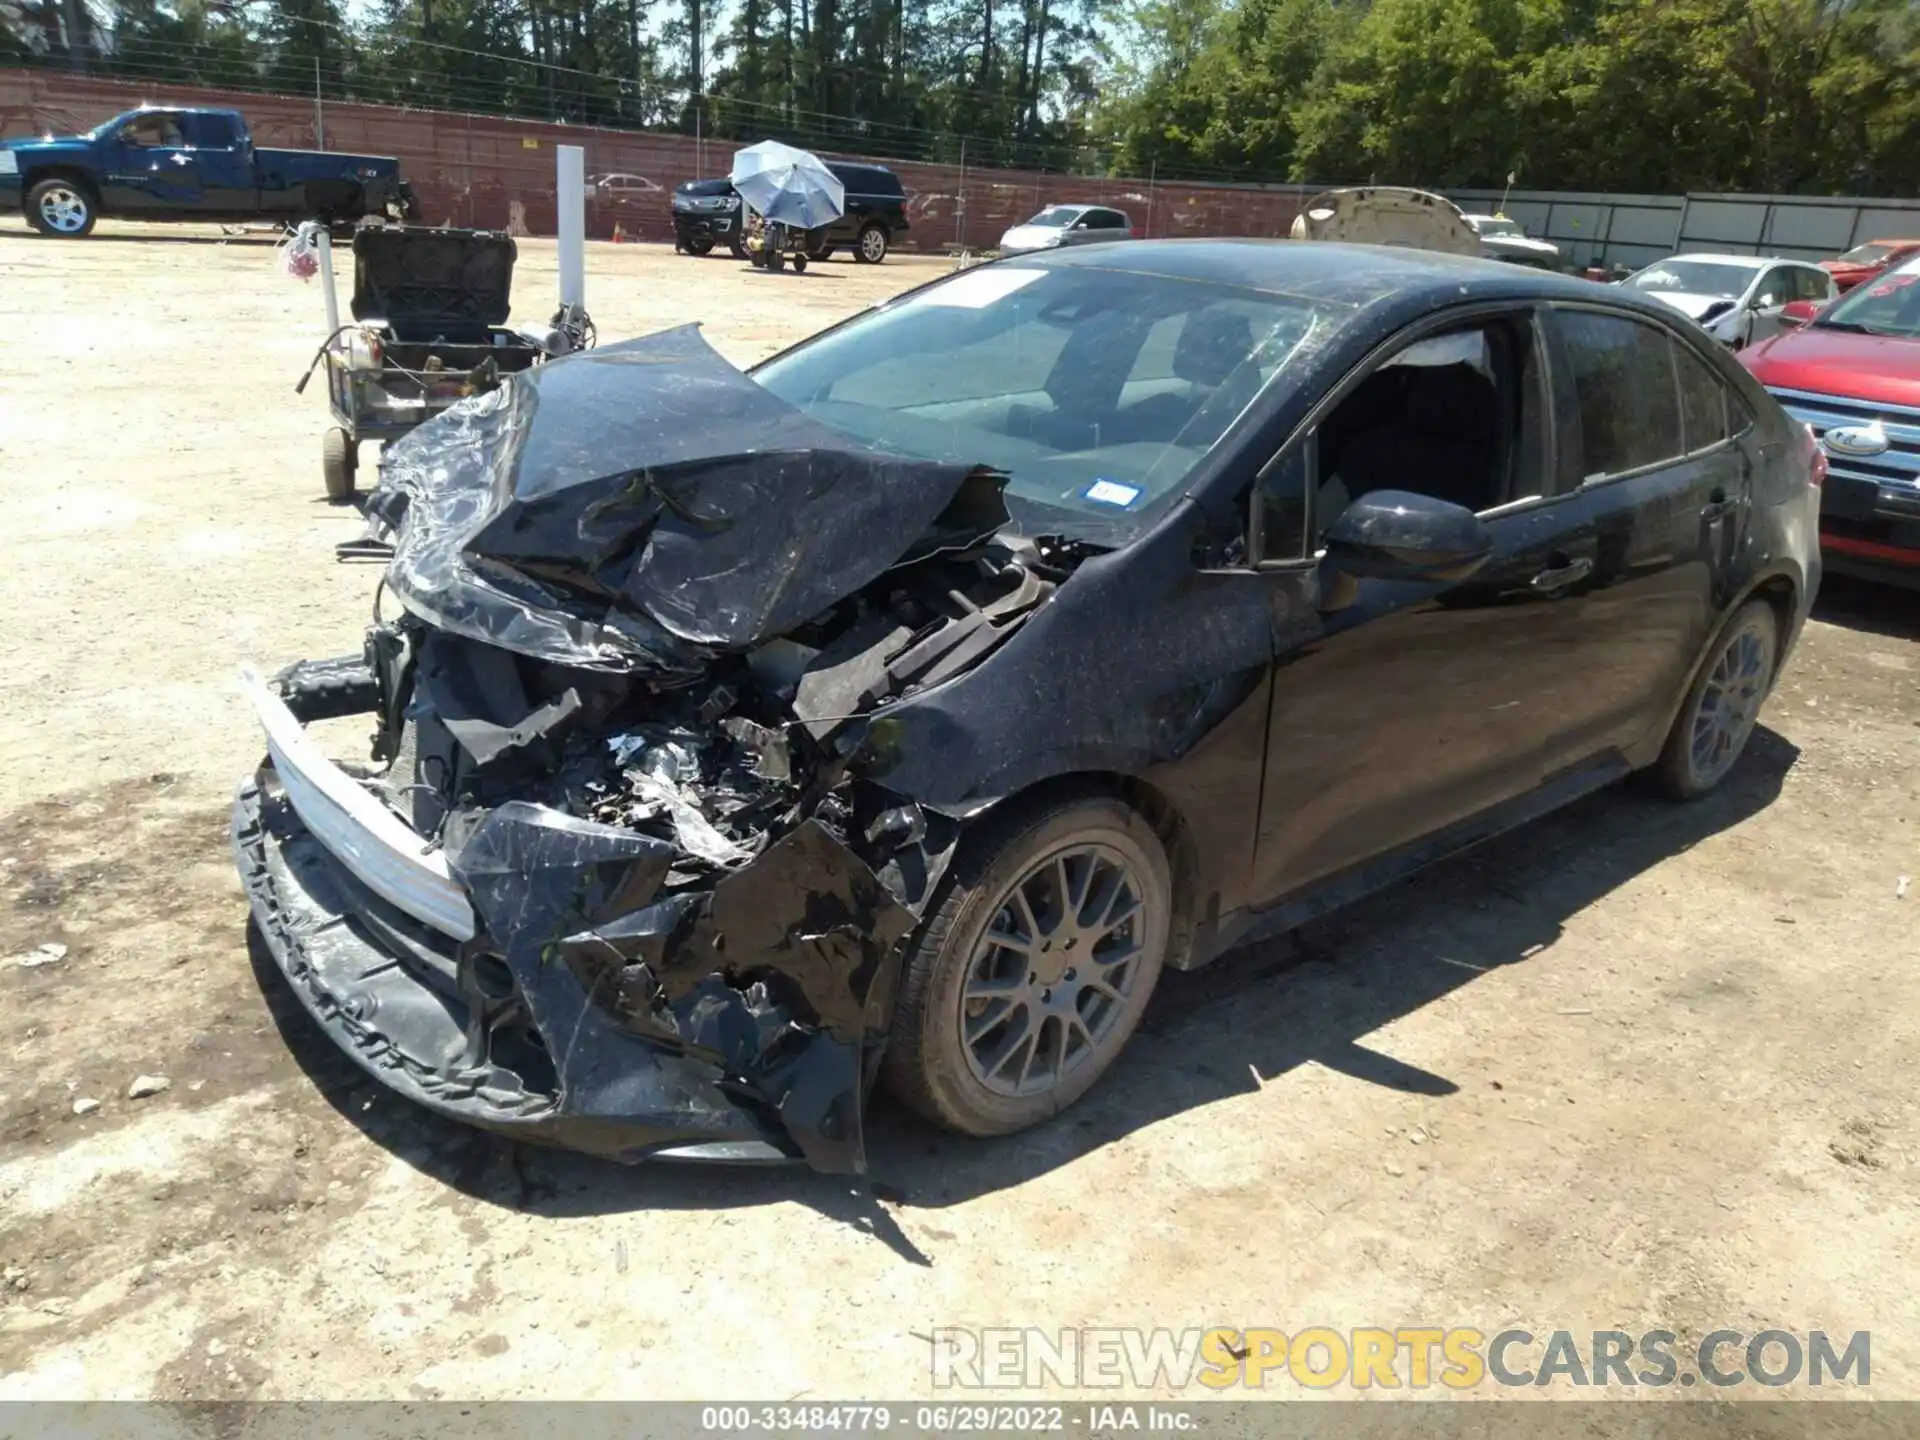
point(1869, 259)
point(1853, 374)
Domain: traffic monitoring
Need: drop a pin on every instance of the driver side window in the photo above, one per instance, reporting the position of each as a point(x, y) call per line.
point(1459, 416)
point(153, 132)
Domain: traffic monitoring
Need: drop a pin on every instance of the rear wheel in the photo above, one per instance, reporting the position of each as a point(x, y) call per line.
point(776, 261)
point(872, 246)
point(1715, 723)
point(799, 264)
point(1027, 979)
point(339, 459)
point(62, 208)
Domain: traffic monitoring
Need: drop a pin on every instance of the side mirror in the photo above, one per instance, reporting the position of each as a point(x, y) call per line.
point(1800, 312)
point(1397, 535)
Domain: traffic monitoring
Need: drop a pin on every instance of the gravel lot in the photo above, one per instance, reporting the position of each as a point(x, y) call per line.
point(1639, 1066)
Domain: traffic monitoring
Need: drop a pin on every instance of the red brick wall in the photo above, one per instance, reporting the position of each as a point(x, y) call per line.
point(469, 169)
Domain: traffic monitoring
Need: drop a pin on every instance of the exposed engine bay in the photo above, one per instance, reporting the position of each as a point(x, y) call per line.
point(638, 715)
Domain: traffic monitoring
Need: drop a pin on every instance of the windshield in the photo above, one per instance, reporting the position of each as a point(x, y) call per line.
point(1056, 217)
point(1870, 254)
point(1096, 391)
point(1499, 227)
point(1694, 277)
point(1889, 305)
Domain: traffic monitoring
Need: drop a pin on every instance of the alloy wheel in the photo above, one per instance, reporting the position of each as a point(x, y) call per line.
point(1730, 703)
point(873, 245)
point(64, 209)
point(1051, 976)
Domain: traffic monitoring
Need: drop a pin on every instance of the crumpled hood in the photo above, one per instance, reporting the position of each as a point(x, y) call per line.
point(646, 506)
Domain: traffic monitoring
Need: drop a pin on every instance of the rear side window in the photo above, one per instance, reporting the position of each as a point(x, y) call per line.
point(1703, 401)
point(1106, 220)
point(1623, 376)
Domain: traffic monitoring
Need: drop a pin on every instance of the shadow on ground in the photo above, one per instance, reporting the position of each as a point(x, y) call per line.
point(1267, 1009)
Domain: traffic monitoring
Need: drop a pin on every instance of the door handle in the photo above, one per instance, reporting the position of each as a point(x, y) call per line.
point(1717, 505)
point(1558, 577)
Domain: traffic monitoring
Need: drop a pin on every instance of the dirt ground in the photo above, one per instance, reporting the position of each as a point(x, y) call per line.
point(1638, 1066)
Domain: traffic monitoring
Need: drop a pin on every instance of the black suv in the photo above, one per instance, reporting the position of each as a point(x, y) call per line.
point(708, 212)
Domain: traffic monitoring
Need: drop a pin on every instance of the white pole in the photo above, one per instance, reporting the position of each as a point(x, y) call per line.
point(326, 284)
point(572, 195)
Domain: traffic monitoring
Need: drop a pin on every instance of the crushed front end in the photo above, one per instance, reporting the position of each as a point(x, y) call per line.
point(616, 877)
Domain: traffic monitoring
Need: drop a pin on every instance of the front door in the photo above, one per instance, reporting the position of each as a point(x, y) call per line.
point(1400, 707)
point(152, 169)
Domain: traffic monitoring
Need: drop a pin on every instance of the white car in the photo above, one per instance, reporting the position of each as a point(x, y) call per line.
point(1503, 239)
point(1738, 299)
point(1067, 225)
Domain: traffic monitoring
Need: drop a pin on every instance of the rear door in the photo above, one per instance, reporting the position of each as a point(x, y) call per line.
point(1663, 500)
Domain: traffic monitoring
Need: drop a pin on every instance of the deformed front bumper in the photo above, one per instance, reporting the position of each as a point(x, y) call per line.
point(399, 1001)
point(529, 975)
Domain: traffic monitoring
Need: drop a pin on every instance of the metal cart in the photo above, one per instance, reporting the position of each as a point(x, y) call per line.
point(429, 309)
point(771, 245)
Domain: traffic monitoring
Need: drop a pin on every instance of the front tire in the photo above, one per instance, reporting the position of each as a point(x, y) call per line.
point(1723, 705)
point(64, 209)
point(1028, 978)
point(871, 248)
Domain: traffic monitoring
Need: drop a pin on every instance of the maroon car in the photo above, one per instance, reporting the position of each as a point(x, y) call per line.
point(1853, 374)
point(1865, 261)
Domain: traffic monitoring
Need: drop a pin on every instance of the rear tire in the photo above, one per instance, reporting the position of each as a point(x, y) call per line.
point(61, 208)
point(339, 459)
point(981, 1049)
point(871, 247)
point(1723, 705)
point(799, 264)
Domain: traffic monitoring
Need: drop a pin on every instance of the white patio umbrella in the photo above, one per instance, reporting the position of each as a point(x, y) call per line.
point(788, 186)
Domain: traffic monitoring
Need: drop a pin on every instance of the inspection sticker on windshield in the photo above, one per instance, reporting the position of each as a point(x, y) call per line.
point(1111, 492)
point(977, 289)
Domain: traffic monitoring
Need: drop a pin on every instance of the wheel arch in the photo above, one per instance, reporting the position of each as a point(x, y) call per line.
point(1161, 813)
point(1781, 590)
point(40, 174)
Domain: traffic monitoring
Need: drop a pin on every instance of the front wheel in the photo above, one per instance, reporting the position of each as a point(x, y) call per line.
point(872, 246)
point(1715, 723)
point(1027, 979)
point(62, 208)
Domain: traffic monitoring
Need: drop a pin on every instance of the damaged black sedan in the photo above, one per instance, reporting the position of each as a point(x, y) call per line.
point(896, 712)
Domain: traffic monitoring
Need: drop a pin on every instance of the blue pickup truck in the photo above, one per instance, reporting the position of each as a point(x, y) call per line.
point(160, 164)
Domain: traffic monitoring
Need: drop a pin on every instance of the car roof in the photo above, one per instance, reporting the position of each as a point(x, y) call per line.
point(1332, 273)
